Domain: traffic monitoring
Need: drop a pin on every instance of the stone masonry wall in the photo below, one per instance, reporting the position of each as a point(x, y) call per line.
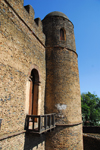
point(65, 138)
point(13, 143)
point(23, 142)
point(63, 90)
point(62, 84)
point(21, 50)
point(53, 34)
point(63, 98)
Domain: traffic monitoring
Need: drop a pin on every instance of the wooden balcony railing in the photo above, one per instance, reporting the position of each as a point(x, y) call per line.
point(39, 124)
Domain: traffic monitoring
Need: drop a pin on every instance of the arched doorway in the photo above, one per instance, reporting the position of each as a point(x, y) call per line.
point(34, 92)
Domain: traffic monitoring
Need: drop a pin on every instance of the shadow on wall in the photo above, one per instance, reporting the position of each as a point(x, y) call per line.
point(34, 141)
point(91, 143)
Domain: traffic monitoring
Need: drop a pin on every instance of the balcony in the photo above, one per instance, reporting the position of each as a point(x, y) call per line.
point(40, 123)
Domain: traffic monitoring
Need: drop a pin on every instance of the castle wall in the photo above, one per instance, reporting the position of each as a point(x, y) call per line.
point(62, 85)
point(21, 50)
point(23, 142)
point(16, 142)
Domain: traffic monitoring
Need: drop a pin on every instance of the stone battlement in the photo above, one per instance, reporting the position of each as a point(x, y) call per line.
point(15, 10)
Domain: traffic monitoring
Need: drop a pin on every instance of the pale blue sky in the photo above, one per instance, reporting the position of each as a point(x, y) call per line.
point(85, 15)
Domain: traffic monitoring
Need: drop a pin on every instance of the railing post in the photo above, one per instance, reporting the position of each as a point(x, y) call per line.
point(33, 123)
point(45, 124)
point(27, 123)
point(49, 121)
point(39, 124)
point(53, 119)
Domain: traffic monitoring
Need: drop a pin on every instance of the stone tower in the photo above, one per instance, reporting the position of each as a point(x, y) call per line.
point(62, 83)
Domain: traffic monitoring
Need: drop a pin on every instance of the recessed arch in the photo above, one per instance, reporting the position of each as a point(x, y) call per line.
point(62, 34)
point(34, 92)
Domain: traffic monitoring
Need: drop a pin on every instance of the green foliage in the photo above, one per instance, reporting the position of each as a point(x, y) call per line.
point(90, 109)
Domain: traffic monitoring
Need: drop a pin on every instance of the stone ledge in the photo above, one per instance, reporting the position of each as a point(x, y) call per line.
point(2, 137)
point(69, 125)
point(62, 48)
point(91, 135)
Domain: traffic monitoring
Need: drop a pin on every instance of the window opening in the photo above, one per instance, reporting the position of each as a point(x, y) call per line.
point(62, 34)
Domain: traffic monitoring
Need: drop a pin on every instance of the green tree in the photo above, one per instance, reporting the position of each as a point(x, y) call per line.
point(90, 109)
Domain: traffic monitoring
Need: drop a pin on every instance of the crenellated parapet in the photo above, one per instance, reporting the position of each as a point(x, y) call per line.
point(38, 22)
point(18, 2)
point(23, 16)
point(30, 11)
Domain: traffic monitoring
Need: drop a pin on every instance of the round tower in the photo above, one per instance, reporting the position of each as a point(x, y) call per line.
point(62, 83)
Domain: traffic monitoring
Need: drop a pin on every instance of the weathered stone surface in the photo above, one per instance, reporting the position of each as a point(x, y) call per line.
point(21, 50)
point(24, 43)
point(62, 84)
point(63, 138)
point(13, 143)
point(54, 24)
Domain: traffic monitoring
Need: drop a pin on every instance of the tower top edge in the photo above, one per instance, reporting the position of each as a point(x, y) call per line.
point(56, 13)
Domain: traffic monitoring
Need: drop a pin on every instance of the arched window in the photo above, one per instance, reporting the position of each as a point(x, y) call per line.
point(33, 95)
point(62, 34)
